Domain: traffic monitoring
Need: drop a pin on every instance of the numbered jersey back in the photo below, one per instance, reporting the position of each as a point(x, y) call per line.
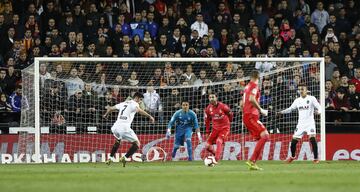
point(127, 111)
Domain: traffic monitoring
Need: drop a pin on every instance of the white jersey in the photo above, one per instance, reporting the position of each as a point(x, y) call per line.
point(127, 110)
point(305, 107)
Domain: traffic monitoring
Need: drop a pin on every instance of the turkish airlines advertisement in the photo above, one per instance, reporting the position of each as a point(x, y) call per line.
point(75, 148)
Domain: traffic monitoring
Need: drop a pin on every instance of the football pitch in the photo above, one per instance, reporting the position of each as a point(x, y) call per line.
point(182, 176)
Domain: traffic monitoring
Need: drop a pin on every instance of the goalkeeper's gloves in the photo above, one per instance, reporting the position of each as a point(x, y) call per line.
point(168, 133)
point(264, 112)
point(199, 137)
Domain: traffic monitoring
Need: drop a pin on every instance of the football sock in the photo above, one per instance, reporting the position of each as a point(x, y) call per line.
point(210, 148)
point(219, 148)
point(258, 148)
point(115, 148)
point(132, 150)
point(314, 147)
point(293, 147)
point(176, 147)
point(189, 148)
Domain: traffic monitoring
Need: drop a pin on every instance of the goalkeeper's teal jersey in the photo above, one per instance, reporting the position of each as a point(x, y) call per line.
point(184, 120)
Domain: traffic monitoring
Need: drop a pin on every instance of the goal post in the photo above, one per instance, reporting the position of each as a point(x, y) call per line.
point(141, 65)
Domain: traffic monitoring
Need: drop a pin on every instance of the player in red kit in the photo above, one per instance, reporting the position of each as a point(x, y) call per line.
point(251, 109)
point(221, 116)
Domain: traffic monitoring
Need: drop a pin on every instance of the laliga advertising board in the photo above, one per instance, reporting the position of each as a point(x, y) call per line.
point(339, 147)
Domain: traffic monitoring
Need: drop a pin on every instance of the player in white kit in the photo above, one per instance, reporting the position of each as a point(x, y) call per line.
point(306, 106)
point(122, 127)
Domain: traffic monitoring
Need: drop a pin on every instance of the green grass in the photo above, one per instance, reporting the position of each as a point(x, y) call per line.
point(182, 176)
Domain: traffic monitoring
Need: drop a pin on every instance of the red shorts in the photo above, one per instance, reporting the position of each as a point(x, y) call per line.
point(222, 133)
point(253, 124)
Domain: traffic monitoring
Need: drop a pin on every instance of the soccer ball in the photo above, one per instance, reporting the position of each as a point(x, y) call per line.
point(209, 161)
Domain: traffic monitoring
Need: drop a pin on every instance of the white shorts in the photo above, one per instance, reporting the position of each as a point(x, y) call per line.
point(300, 131)
point(124, 132)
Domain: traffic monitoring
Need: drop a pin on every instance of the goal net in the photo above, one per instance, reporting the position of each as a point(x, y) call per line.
point(67, 98)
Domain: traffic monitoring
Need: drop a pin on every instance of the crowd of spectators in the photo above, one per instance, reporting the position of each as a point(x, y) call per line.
point(175, 28)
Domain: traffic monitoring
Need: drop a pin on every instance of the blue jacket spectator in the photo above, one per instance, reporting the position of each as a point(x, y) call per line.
point(152, 26)
point(137, 26)
point(125, 28)
point(15, 99)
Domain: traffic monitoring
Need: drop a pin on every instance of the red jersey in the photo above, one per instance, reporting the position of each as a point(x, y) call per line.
point(357, 84)
point(220, 115)
point(251, 89)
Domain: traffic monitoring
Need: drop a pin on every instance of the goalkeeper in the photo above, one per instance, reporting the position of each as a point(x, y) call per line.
point(185, 120)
